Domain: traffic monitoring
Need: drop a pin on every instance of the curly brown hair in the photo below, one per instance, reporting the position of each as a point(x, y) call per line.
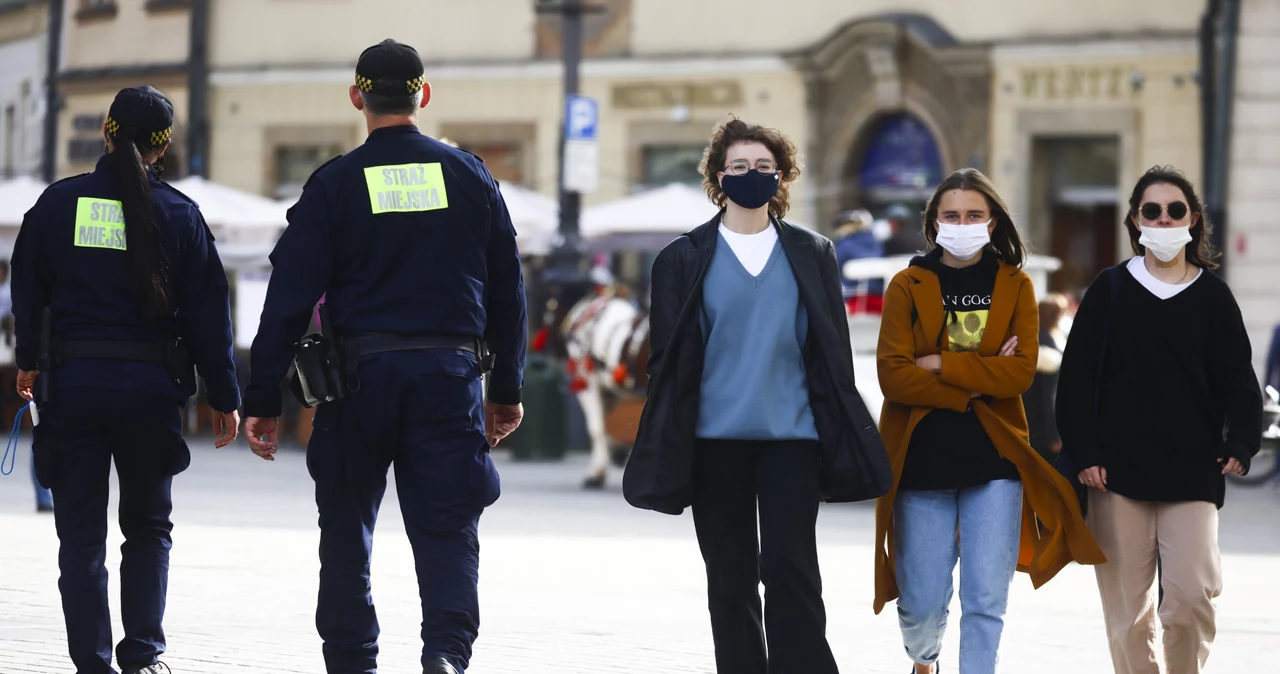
point(737, 131)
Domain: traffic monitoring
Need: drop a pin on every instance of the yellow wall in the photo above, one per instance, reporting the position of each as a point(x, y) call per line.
point(134, 36)
point(23, 23)
point(243, 115)
point(1087, 90)
point(674, 26)
point(250, 32)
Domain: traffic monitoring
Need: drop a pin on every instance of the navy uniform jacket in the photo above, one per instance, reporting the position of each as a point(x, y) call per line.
point(70, 257)
point(403, 235)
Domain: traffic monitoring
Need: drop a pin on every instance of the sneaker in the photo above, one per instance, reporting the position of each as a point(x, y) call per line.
point(151, 669)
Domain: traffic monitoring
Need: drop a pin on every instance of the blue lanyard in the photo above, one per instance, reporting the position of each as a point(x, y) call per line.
point(13, 442)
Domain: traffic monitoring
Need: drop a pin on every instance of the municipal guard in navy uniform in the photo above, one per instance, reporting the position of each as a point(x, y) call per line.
point(117, 292)
point(410, 243)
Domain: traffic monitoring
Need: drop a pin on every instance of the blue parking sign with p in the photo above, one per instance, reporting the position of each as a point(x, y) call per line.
point(581, 119)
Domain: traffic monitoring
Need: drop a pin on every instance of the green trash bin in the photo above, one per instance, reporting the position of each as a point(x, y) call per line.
point(542, 433)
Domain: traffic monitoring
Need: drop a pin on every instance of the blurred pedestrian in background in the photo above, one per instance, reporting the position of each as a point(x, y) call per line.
point(854, 240)
point(1039, 399)
point(907, 237)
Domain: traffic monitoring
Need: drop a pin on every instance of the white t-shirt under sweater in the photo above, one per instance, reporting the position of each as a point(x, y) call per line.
point(1157, 287)
point(752, 250)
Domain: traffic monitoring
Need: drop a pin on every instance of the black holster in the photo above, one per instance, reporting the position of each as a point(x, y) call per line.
point(315, 381)
point(178, 363)
point(326, 367)
point(317, 364)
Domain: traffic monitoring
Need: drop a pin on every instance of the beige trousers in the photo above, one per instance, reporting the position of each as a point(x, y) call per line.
point(1184, 536)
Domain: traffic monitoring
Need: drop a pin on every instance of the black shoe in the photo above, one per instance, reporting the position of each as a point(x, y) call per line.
point(439, 666)
point(151, 669)
point(44, 507)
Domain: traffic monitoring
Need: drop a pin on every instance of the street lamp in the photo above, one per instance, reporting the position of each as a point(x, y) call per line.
point(565, 264)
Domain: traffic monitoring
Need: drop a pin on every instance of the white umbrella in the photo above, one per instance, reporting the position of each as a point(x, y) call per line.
point(235, 216)
point(673, 209)
point(17, 196)
point(651, 219)
point(535, 216)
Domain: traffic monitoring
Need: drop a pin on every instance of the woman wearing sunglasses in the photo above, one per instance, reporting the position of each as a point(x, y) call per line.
point(1157, 401)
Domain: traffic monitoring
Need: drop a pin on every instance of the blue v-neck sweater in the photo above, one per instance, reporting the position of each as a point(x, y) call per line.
point(753, 378)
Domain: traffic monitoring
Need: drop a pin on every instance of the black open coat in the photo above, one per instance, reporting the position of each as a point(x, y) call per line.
point(659, 474)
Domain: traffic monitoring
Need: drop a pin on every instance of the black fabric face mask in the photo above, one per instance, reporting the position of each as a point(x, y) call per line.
point(752, 189)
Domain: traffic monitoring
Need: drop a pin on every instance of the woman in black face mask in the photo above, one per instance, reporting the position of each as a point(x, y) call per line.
point(752, 405)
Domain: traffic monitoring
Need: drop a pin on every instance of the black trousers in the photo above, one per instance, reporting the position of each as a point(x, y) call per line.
point(782, 477)
point(80, 433)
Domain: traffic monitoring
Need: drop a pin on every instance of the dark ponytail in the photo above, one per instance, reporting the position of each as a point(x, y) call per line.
point(148, 266)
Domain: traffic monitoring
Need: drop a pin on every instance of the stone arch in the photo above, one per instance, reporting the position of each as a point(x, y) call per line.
point(889, 64)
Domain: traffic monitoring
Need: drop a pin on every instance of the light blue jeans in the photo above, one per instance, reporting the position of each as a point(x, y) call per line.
point(931, 529)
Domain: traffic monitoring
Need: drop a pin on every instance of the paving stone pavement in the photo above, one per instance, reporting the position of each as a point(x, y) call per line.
point(572, 582)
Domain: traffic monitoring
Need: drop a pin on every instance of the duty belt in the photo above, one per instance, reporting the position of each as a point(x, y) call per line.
point(381, 343)
point(369, 344)
point(145, 352)
point(172, 356)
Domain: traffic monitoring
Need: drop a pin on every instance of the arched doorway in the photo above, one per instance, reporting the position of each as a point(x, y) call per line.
point(887, 83)
point(900, 165)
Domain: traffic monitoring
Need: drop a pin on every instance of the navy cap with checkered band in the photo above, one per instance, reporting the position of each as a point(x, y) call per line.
point(390, 68)
point(143, 114)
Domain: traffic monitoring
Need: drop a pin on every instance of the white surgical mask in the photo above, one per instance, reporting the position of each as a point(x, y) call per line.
point(963, 241)
point(1165, 242)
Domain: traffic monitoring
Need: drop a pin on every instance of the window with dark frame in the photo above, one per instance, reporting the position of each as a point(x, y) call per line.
point(666, 164)
point(295, 163)
point(95, 9)
point(505, 161)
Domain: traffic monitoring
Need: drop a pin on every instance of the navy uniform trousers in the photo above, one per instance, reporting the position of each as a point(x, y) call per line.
point(421, 411)
point(81, 430)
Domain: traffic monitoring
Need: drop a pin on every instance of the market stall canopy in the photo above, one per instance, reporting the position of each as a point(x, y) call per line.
point(648, 220)
point(535, 216)
point(236, 217)
point(17, 196)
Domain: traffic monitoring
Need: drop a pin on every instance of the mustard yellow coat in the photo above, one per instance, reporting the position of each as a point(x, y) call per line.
point(910, 392)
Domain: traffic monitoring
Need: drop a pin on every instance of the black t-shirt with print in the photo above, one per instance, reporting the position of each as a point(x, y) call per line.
point(949, 449)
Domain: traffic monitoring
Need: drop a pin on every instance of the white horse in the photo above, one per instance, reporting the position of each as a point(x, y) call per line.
point(606, 338)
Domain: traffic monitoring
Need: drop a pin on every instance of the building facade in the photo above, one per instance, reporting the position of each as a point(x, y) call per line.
point(24, 35)
point(881, 104)
point(1075, 124)
point(1253, 236)
point(108, 45)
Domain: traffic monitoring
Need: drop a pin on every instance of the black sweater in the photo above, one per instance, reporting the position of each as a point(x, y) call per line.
point(949, 449)
point(1177, 392)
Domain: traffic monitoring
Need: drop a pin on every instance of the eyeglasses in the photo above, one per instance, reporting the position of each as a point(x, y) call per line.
point(741, 166)
point(1152, 210)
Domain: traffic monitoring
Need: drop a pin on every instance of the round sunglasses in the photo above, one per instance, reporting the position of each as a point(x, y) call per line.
point(1152, 210)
